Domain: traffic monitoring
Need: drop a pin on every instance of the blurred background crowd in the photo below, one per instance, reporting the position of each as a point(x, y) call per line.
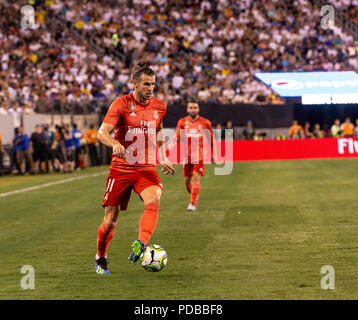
point(80, 55)
point(52, 149)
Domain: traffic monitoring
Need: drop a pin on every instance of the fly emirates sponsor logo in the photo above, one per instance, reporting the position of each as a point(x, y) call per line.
point(194, 134)
point(347, 145)
point(146, 127)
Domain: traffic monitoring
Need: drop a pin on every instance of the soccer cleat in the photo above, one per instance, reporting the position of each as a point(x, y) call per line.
point(137, 249)
point(191, 207)
point(101, 266)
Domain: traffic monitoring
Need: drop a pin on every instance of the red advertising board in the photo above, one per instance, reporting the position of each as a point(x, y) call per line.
point(249, 150)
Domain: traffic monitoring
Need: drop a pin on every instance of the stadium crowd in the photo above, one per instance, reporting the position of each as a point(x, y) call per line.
point(295, 131)
point(203, 50)
point(53, 149)
point(338, 129)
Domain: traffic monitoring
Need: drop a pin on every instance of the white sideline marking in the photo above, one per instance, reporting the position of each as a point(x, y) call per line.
point(5, 194)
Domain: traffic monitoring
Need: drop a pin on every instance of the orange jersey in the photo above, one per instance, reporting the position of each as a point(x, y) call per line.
point(194, 134)
point(135, 128)
point(91, 136)
point(348, 129)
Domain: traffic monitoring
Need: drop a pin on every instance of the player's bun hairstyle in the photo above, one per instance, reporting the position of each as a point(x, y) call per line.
point(140, 68)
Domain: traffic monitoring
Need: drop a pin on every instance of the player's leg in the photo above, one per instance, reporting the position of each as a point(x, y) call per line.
point(116, 198)
point(194, 192)
point(198, 171)
point(151, 198)
point(104, 237)
point(195, 189)
point(149, 188)
point(187, 183)
point(188, 174)
point(106, 229)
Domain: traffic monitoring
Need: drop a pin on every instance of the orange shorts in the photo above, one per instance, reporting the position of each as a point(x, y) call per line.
point(120, 183)
point(190, 168)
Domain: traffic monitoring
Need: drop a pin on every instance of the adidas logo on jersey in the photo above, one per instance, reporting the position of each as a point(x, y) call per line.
point(132, 114)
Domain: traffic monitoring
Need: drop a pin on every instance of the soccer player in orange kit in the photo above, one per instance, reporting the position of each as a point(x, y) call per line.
point(138, 122)
point(194, 130)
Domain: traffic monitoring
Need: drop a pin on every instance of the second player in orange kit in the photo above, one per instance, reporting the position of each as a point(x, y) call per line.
point(194, 132)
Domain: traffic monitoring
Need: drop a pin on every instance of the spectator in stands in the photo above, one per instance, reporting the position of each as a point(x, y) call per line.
point(249, 131)
point(77, 135)
point(39, 147)
point(57, 149)
point(326, 131)
point(229, 134)
point(296, 131)
point(317, 132)
point(4, 109)
point(70, 149)
point(306, 130)
point(23, 151)
point(336, 129)
point(50, 138)
point(91, 143)
point(280, 136)
point(356, 129)
point(83, 150)
point(348, 128)
point(259, 136)
point(14, 151)
point(219, 133)
point(2, 151)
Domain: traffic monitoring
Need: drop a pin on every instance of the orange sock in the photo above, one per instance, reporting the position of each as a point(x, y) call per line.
point(148, 222)
point(104, 237)
point(194, 194)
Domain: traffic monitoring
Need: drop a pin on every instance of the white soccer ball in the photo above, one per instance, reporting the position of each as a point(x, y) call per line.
point(154, 258)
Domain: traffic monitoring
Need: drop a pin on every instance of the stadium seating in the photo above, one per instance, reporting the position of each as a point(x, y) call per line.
point(80, 55)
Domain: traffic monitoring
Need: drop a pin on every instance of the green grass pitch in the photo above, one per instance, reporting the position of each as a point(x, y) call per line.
point(263, 232)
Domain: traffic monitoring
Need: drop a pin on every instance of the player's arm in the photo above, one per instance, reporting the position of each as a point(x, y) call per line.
point(104, 136)
point(167, 166)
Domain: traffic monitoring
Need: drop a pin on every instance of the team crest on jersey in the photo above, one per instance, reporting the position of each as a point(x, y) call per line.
point(155, 115)
point(200, 126)
point(131, 106)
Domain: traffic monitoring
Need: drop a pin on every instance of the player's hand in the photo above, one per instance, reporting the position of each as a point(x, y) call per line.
point(167, 167)
point(119, 150)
